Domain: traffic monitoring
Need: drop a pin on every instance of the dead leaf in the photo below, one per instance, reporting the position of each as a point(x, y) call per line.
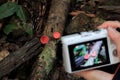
point(91, 15)
point(75, 13)
point(92, 3)
point(3, 54)
point(1, 24)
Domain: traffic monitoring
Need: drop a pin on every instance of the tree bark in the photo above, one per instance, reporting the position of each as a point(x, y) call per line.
point(115, 9)
point(15, 59)
point(56, 22)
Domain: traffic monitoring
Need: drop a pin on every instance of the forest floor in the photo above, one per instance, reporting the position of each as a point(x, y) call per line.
point(84, 15)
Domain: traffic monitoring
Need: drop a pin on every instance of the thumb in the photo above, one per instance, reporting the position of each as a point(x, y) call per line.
point(115, 37)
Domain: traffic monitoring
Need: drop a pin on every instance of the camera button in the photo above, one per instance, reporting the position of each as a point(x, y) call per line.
point(115, 52)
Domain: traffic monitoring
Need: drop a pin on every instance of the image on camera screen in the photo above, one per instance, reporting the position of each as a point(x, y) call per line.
point(89, 54)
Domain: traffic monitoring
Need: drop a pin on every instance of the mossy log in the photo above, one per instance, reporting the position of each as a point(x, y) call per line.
point(56, 22)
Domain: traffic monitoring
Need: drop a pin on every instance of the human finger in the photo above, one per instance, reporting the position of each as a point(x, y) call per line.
point(95, 75)
point(115, 37)
point(114, 24)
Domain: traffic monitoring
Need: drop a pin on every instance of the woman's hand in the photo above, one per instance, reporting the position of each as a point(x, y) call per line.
point(112, 33)
point(115, 37)
point(95, 75)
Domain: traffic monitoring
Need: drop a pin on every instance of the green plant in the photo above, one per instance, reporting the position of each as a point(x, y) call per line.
point(12, 8)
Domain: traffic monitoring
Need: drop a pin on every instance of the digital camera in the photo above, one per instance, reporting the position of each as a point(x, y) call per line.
point(88, 50)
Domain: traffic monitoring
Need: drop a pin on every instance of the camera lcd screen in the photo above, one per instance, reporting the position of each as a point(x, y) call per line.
point(89, 54)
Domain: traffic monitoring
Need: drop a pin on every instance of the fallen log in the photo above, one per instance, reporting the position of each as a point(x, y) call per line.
point(115, 9)
point(18, 57)
point(56, 22)
point(79, 23)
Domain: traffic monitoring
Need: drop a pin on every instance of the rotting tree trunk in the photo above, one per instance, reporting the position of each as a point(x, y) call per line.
point(111, 8)
point(56, 22)
point(15, 59)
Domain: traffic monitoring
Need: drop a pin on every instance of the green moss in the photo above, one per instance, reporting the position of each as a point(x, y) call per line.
point(48, 56)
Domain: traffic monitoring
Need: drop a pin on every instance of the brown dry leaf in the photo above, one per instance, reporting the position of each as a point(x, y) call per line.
point(1, 24)
point(82, 6)
point(92, 3)
point(3, 54)
point(91, 15)
point(75, 13)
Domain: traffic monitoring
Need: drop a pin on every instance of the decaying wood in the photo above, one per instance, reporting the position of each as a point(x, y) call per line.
point(41, 6)
point(15, 59)
point(56, 22)
point(111, 8)
point(83, 22)
point(58, 73)
point(78, 23)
